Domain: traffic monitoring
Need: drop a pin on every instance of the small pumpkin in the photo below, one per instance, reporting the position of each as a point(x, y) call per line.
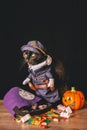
point(73, 98)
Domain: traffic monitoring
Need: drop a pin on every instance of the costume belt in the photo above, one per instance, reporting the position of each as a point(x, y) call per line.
point(41, 86)
point(34, 87)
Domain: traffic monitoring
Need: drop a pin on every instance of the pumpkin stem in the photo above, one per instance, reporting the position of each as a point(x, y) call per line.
point(73, 89)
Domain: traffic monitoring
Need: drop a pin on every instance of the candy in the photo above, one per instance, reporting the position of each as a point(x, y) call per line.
point(61, 107)
point(64, 114)
point(25, 118)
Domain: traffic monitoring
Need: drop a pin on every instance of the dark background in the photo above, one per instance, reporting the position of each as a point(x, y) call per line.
point(61, 27)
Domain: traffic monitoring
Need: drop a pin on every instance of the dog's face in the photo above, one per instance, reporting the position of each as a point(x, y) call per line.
point(32, 58)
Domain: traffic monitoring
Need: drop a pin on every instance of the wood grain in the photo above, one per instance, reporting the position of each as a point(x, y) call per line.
point(78, 121)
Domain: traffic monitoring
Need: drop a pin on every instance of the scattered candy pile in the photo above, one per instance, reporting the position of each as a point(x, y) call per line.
point(42, 120)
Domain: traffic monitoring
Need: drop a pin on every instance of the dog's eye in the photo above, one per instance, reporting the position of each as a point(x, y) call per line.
point(24, 55)
point(33, 55)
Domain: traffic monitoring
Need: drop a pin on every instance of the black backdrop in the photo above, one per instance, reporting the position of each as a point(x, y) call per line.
point(62, 29)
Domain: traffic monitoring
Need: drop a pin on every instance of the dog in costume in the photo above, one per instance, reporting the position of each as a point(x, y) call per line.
point(40, 78)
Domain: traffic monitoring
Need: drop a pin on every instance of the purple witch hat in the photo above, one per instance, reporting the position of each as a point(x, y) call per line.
point(20, 98)
point(34, 46)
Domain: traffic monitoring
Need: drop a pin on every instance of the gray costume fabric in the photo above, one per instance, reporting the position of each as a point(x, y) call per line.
point(39, 76)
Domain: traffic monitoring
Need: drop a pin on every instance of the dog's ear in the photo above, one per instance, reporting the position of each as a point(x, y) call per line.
point(22, 64)
point(60, 70)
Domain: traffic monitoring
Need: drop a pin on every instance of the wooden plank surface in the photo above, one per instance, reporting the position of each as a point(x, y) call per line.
point(78, 121)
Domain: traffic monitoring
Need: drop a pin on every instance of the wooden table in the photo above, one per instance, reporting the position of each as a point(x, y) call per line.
point(78, 121)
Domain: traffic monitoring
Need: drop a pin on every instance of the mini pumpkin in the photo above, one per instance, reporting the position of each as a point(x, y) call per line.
point(73, 98)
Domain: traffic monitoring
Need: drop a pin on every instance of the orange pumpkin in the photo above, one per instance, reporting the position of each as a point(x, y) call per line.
point(73, 98)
